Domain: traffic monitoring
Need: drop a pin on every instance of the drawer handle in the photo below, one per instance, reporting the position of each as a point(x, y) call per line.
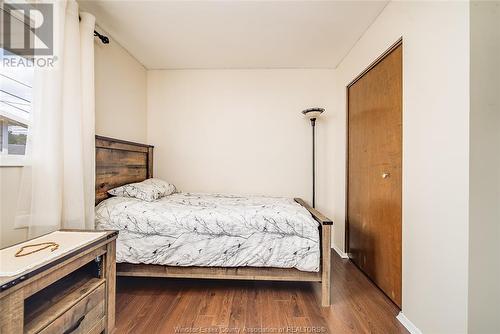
point(75, 326)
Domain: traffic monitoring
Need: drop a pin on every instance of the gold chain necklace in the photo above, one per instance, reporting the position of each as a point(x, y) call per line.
point(45, 245)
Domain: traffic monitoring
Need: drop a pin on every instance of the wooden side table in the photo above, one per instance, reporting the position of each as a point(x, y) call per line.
point(73, 293)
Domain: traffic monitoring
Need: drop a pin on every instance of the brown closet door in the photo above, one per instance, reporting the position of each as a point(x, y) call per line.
point(374, 173)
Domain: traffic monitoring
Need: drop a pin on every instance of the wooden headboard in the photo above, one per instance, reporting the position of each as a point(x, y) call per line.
point(119, 162)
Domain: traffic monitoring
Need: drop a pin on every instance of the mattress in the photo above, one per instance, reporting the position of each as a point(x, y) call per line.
point(213, 230)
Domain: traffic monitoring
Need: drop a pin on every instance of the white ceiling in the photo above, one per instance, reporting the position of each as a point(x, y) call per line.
point(235, 34)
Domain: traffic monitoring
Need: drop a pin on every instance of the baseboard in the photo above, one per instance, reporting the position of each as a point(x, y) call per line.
point(408, 324)
point(339, 252)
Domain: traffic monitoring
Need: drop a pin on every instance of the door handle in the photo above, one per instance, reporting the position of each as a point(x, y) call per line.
point(386, 175)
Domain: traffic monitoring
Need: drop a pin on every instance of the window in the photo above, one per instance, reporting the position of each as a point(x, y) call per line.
point(16, 95)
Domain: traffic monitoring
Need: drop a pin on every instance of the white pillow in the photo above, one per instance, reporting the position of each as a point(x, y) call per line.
point(147, 190)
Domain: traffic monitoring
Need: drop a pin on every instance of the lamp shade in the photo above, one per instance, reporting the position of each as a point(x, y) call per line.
point(313, 112)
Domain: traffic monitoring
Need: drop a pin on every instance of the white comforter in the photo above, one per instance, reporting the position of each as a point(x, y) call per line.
point(213, 230)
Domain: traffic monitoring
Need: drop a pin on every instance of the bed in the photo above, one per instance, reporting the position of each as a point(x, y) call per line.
point(215, 236)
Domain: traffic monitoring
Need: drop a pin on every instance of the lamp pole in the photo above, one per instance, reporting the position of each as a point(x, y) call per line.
point(313, 114)
point(313, 125)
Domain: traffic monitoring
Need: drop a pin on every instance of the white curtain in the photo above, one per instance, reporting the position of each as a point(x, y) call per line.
point(57, 188)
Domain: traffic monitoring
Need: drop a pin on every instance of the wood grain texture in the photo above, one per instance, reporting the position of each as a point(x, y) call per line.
point(61, 295)
point(53, 303)
point(326, 246)
point(81, 317)
point(326, 264)
point(99, 327)
point(150, 163)
point(318, 216)
point(120, 144)
point(120, 162)
point(238, 273)
point(60, 271)
point(12, 313)
point(110, 276)
point(374, 194)
point(155, 305)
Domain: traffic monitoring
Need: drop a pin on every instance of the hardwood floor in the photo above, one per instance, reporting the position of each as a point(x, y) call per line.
point(148, 305)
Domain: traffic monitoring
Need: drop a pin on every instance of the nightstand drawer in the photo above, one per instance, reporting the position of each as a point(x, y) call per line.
point(82, 317)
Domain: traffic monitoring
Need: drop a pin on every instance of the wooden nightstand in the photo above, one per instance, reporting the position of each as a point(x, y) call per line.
point(71, 293)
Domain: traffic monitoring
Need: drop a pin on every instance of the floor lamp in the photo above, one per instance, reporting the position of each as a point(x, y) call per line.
point(312, 114)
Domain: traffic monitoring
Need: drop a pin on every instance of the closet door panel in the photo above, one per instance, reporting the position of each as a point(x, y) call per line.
point(374, 173)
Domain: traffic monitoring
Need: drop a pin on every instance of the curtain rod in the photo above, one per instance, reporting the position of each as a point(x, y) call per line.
point(104, 39)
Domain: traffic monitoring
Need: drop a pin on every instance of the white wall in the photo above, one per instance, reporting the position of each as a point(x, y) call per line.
point(236, 131)
point(120, 82)
point(484, 214)
point(435, 162)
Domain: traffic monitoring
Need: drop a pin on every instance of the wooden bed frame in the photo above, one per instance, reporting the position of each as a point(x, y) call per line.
point(119, 162)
